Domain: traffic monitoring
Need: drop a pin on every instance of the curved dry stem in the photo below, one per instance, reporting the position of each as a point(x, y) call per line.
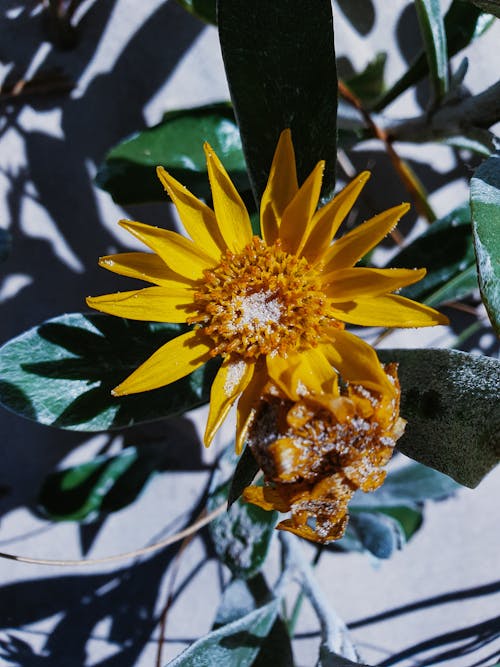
point(171, 539)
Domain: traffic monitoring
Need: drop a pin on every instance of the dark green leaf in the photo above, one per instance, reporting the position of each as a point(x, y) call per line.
point(242, 597)
point(329, 659)
point(369, 84)
point(61, 373)
point(460, 286)
point(203, 9)
point(445, 249)
point(128, 172)
point(246, 469)
point(280, 65)
point(242, 535)
point(462, 24)
point(5, 243)
point(413, 483)
point(485, 204)
point(434, 38)
point(106, 484)
point(236, 644)
point(451, 401)
point(490, 6)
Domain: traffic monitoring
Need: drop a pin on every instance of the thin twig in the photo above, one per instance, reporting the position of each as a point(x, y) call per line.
point(171, 539)
point(482, 110)
point(408, 178)
point(334, 632)
point(43, 83)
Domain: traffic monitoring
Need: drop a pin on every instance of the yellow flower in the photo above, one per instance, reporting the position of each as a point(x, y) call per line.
point(317, 451)
point(268, 306)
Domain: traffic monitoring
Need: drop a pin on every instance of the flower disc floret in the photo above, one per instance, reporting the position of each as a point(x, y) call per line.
point(262, 301)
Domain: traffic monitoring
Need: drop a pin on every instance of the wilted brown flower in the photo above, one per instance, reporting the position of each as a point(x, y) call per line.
point(315, 452)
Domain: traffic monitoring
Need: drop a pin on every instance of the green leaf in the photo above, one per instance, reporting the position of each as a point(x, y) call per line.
point(445, 249)
point(242, 597)
point(5, 243)
point(460, 286)
point(434, 38)
point(462, 24)
point(245, 471)
point(450, 400)
point(176, 143)
point(242, 535)
point(490, 6)
point(61, 373)
point(236, 644)
point(485, 204)
point(106, 484)
point(409, 519)
point(280, 65)
point(369, 84)
point(411, 484)
point(203, 9)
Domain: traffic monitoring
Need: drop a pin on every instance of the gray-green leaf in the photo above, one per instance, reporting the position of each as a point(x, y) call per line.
point(485, 205)
point(451, 401)
point(61, 373)
point(233, 645)
point(242, 535)
point(434, 37)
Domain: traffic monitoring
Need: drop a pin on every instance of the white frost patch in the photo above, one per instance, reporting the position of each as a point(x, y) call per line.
point(233, 376)
point(258, 310)
point(302, 390)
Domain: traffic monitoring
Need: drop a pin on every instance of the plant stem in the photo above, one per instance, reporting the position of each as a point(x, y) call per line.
point(450, 120)
point(292, 622)
point(408, 178)
point(334, 632)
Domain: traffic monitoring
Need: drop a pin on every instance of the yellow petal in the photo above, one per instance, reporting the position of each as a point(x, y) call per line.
point(233, 378)
point(198, 219)
point(349, 249)
point(302, 373)
point(357, 362)
point(247, 405)
point(297, 217)
point(169, 363)
point(151, 304)
point(232, 216)
point(143, 266)
point(348, 284)
point(280, 189)
point(304, 530)
point(328, 219)
point(179, 253)
point(390, 310)
point(265, 497)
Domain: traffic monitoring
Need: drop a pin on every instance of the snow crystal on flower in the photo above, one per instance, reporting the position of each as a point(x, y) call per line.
point(258, 310)
point(233, 376)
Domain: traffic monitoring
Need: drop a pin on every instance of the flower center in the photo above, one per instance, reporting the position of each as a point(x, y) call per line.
point(261, 301)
